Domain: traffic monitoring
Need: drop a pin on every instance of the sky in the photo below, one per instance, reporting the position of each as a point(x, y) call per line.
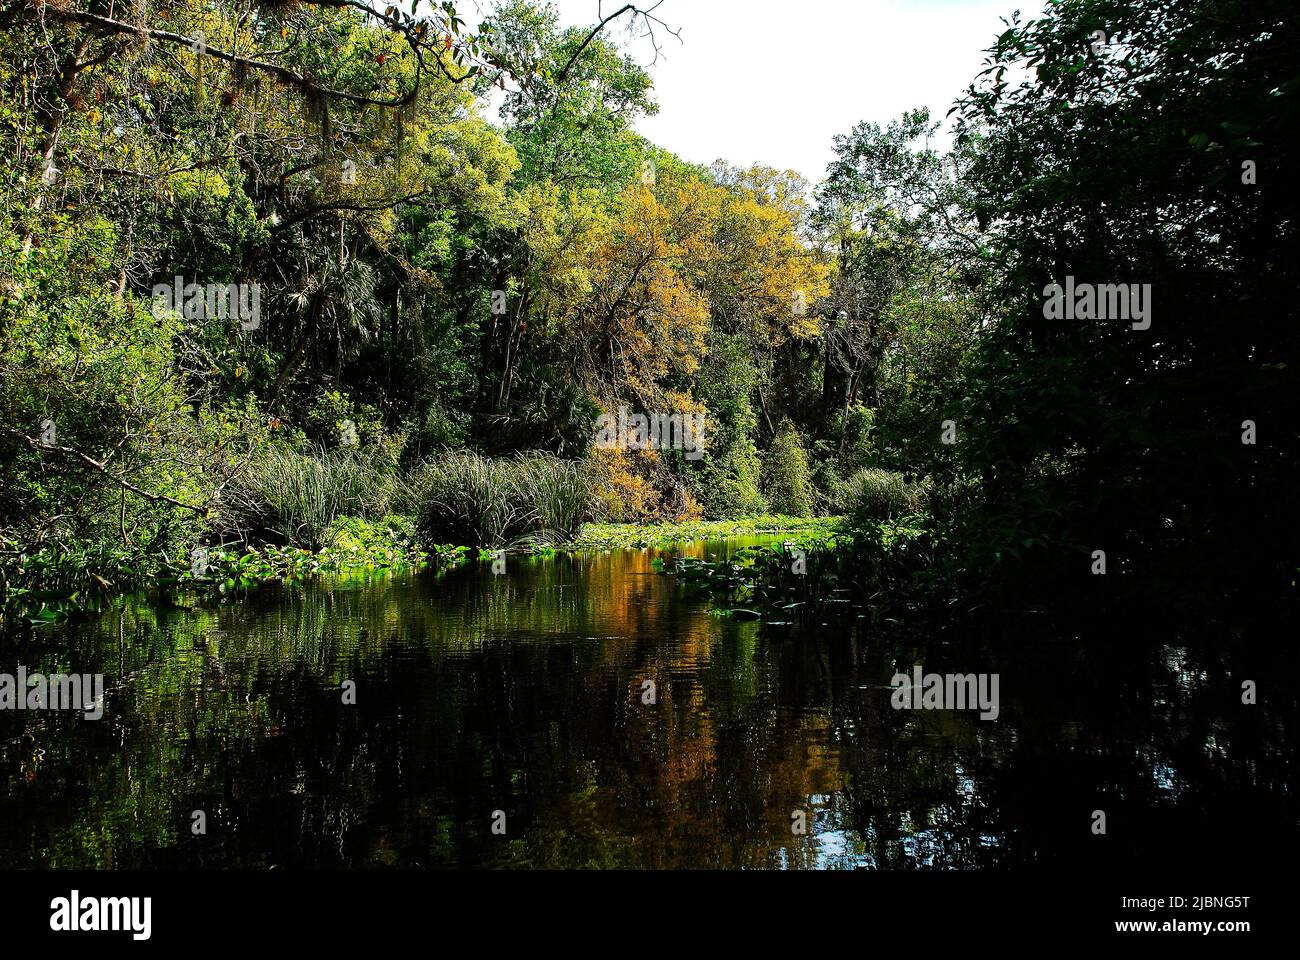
point(773, 81)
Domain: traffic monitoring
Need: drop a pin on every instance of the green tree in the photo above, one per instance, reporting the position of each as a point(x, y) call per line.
point(787, 480)
point(1147, 143)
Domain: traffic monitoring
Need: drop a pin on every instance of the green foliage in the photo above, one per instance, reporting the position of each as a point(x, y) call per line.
point(105, 463)
point(855, 427)
point(874, 494)
point(300, 494)
point(573, 129)
point(557, 494)
point(736, 491)
point(606, 536)
point(787, 480)
point(358, 535)
point(493, 289)
point(1088, 433)
point(727, 482)
point(466, 498)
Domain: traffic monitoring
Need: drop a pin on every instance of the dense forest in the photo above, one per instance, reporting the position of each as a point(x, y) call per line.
point(290, 274)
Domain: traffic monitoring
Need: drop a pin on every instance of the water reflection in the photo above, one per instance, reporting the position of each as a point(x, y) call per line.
point(523, 693)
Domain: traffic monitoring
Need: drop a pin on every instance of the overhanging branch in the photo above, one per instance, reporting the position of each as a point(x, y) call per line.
point(42, 446)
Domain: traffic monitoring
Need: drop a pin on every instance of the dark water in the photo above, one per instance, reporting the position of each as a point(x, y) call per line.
point(523, 694)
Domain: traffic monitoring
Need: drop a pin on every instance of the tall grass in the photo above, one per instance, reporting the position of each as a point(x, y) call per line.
point(299, 494)
point(558, 493)
point(468, 499)
point(872, 494)
point(458, 497)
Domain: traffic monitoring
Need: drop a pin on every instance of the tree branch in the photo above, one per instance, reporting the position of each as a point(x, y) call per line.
point(284, 73)
point(40, 445)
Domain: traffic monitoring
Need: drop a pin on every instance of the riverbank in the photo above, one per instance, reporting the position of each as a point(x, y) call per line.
point(388, 545)
point(609, 536)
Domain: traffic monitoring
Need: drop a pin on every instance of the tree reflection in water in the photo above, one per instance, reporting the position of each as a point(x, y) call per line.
point(523, 693)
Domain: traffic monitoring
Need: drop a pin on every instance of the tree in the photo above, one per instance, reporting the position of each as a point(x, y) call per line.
point(903, 308)
point(787, 481)
point(1123, 160)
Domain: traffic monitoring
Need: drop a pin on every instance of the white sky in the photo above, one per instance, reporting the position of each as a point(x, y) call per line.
point(773, 81)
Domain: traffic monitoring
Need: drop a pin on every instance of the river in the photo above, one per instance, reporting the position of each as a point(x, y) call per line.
point(584, 711)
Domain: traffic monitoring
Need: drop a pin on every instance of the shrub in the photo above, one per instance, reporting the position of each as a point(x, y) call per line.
point(872, 494)
point(355, 535)
point(638, 486)
point(787, 481)
point(557, 493)
point(99, 442)
point(472, 500)
point(465, 499)
point(730, 487)
point(298, 495)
